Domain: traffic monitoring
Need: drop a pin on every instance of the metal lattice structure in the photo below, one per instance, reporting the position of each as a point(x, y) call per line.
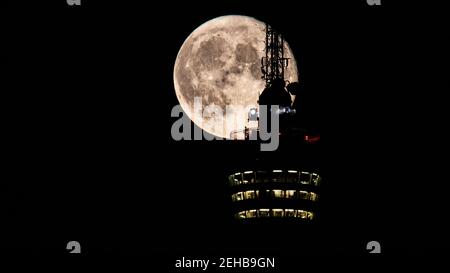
point(274, 63)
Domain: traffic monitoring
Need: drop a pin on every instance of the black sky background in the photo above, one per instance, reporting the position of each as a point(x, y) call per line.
point(91, 157)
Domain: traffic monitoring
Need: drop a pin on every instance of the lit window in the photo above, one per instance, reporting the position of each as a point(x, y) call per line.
point(303, 195)
point(289, 212)
point(233, 181)
point(310, 215)
point(249, 177)
point(278, 193)
point(292, 177)
point(305, 178)
point(249, 195)
point(278, 176)
point(278, 212)
point(239, 196)
point(234, 197)
point(301, 214)
point(237, 178)
point(315, 179)
point(264, 213)
point(290, 194)
point(313, 196)
point(240, 214)
point(251, 213)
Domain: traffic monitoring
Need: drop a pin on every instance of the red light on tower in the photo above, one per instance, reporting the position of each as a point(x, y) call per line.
point(312, 139)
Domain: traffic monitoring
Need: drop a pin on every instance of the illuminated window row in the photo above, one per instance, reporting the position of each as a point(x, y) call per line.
point(262, 213)
point(290, 176)
point(288, 194)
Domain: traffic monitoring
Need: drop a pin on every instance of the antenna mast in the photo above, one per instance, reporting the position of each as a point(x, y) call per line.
point(274, 63)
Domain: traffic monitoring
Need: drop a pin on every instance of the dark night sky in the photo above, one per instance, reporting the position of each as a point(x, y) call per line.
point(91, 154)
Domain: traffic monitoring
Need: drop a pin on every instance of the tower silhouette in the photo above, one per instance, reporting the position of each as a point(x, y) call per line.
point(282, 184)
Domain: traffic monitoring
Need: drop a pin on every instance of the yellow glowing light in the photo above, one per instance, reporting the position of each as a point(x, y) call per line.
point(278, 193)
point(254, 213)
point(249, 195)
point(251, 213)
point(278, 212)
point(290, 193)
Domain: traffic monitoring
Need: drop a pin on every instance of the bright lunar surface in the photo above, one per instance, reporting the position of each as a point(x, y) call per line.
point(220, 62)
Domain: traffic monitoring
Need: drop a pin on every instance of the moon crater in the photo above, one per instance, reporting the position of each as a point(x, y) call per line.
point(220, 63)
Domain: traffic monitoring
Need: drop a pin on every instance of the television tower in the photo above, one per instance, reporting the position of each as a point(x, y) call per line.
point(282, 184)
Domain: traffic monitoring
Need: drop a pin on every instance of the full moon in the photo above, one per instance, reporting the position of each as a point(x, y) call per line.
point(220, 63)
